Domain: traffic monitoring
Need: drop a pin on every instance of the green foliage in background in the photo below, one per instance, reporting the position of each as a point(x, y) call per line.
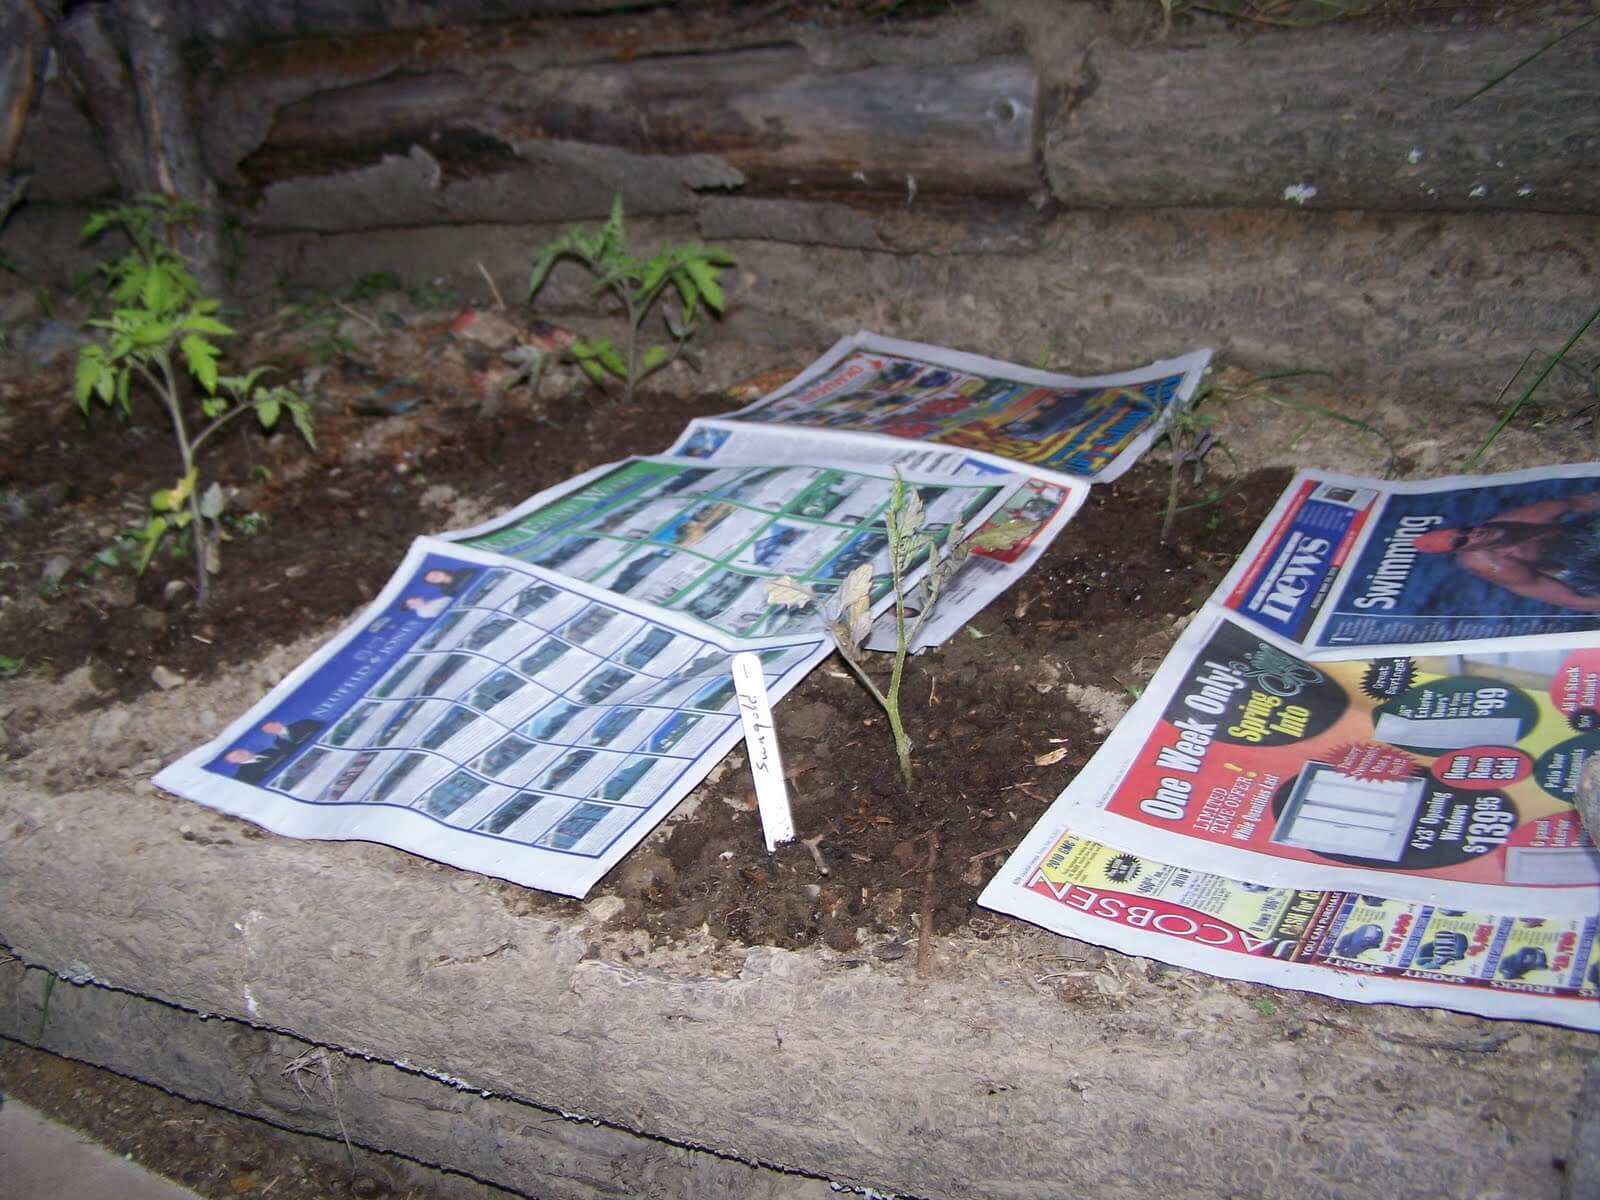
point(161, 332)
point(692, 271)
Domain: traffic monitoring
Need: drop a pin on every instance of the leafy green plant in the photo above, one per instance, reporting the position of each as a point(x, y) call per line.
point(693, 271)
point(159, 331)
point(850, 616)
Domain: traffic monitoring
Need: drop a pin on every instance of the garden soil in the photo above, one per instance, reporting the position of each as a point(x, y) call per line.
point(415, 435)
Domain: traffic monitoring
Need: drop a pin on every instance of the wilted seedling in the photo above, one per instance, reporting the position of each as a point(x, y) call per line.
point(850, 616)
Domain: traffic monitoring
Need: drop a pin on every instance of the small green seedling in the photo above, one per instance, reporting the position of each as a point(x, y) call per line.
point(693, 271)
point(1188, 435)
point(850, 618)
point(159, 329)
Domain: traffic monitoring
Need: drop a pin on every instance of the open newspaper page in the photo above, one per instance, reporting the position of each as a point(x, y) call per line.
point(530, 698)
point(1447, 779)
point(1355, 565)
point(706, 539)
point(491, 715)
point(1354, 946)
point(1061, 428)
point(1006, 545)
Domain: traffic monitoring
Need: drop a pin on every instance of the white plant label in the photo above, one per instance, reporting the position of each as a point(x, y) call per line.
point(761, 743)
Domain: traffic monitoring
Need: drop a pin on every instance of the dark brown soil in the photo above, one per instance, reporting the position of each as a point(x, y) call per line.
point(332, 526)
point(998, 717)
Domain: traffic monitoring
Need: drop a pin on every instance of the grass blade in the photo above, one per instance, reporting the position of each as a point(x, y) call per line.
point(1516, 405)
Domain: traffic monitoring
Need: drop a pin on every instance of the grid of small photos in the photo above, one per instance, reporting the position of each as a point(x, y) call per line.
point(533, 714)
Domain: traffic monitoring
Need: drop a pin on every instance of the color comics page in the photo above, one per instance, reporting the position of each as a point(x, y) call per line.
point(493, 715)
point(1005, 545)
point(1062, 427)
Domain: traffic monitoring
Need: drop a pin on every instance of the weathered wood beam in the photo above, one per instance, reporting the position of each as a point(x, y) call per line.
point(24, 43)
point(250, 20)
point(768, 113)
point(86, 43)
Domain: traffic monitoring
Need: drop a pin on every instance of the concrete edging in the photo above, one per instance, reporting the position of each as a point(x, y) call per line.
point(977, 1082)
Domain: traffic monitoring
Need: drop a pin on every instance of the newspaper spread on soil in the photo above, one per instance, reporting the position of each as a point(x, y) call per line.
point(1355, 772)
point(923, 409)
point(533, 696)
point(530, 697)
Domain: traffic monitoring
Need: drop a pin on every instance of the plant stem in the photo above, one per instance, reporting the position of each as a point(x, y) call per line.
point(1173, 481)
point(633, 348)
point(204, 435)
point(902, 743)
point(899, 557)
point(168, 388)
point(1516, 407)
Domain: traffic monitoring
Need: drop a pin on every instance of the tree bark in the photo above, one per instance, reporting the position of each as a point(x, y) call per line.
point(172, 151)
point(86, 44)
point(24, 39)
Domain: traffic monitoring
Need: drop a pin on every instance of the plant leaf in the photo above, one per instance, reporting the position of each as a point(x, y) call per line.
point(86, 379)
point(197, 322)
point(151, 535)
point(655, 358)
point(201, 357)
point(705, 278)
point(610, 358)
point(911, 512)
point(268, 407)
point(300, 414)
point(212, 502)
point(612, 236)
point(857, 586)
point(688, 290)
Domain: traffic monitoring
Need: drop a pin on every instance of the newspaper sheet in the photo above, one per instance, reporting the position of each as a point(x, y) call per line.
point(532, 698)
point(1447, 779)
point(1010, 541)
point(1351, 946)
point(704, 540)
point(1428, 776)
point(492, 715)
point(1372, 567)
point(1059, 427)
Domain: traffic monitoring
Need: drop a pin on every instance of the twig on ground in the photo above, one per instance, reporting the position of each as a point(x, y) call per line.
point(812, 844)
point(361, 316)
point(499, 301)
